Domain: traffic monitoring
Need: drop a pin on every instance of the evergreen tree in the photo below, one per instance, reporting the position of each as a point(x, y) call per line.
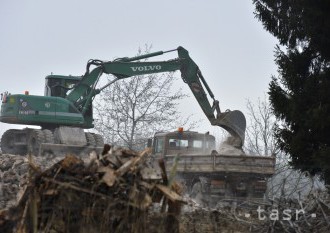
point(300, 95)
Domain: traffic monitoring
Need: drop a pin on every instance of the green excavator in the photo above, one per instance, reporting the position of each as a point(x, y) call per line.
point(66, 108)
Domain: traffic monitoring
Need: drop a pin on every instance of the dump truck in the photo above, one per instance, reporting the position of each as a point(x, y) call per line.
point(66, 108)
point(212, 172)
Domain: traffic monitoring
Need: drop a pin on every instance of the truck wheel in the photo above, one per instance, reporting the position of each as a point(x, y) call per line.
point(35, 140)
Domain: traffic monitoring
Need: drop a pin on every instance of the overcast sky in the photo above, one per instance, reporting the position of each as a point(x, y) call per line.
point(230, 46)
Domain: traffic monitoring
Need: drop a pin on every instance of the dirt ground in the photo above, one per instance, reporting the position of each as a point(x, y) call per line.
point(209, 222)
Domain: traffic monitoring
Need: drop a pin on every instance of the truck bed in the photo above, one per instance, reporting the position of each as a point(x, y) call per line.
point(264, 165)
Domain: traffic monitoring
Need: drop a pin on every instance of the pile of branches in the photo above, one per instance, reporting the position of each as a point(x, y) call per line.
point(110, 193)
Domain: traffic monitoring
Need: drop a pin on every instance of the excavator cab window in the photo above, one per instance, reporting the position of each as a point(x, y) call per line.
point(55, 88)
point(59, 86)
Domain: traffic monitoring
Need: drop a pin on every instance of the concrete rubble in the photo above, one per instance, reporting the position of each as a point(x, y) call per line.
point(13, 176)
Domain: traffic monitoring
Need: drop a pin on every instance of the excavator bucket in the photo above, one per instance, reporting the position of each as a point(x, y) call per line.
point(235, 123)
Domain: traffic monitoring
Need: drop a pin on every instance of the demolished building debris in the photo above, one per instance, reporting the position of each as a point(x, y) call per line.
point(120, 191)
point(113, 192)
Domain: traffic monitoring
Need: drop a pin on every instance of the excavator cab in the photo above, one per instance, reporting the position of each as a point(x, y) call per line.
point(58, 85)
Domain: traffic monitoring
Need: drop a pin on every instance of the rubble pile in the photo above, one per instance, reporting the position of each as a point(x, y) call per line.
point(13, 172)
point(227, 147)
point(110, 193)
point(123, 191)
point(212, 221)
point(13, 175)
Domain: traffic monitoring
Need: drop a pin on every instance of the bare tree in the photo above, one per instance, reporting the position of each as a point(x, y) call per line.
point(133, 109)
point(260, 138)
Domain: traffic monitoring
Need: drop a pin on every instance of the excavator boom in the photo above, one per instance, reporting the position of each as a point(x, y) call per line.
point(232, 121)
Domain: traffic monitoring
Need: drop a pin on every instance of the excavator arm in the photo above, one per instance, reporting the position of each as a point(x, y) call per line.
point(83, 93)
point(232, 121)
